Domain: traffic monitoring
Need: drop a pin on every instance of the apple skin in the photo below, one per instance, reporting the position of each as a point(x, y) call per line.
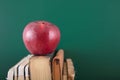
point(41, 37)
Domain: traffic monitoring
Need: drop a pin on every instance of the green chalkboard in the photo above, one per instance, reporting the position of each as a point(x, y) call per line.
point(90, 33)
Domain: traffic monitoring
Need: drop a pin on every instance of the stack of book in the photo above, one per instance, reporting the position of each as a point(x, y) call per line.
point(43, 68)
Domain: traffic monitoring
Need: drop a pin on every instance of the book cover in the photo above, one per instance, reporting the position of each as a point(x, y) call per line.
point(57, 65)
point(40, 68)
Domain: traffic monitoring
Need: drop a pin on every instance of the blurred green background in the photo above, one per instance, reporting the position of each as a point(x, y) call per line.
point(90, 33)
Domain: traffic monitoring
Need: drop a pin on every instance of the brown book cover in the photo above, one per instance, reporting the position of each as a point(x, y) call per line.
point(70, 68)
point(40, 68)
point(57, 65)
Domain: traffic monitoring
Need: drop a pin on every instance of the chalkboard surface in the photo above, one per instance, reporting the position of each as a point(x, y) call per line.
point(90, 33)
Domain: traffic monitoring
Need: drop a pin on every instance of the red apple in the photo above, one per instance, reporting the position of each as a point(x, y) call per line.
point(41, 37)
